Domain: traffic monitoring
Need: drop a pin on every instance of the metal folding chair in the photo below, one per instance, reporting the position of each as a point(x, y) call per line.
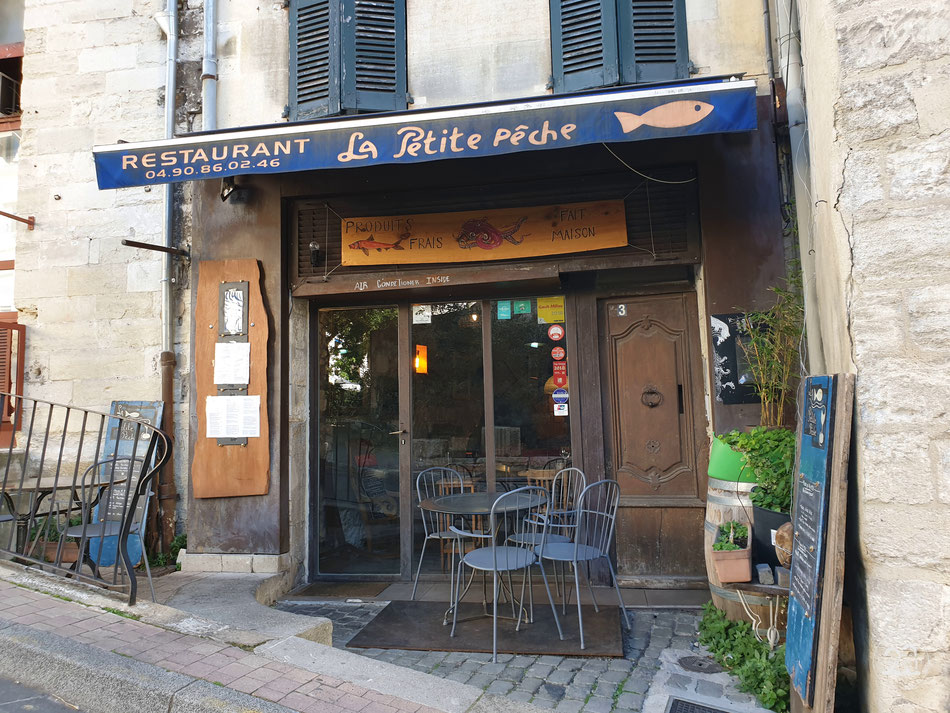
point(596, 523)
point(433, 483)
point(516, 519)
point(109, 500)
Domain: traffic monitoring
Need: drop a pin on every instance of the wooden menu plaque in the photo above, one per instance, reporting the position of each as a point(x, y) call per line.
point(219, 470)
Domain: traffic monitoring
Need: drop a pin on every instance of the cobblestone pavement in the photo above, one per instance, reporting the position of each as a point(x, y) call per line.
point(573, 685)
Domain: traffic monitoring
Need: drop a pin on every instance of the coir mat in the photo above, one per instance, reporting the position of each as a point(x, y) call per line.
point(417, 626)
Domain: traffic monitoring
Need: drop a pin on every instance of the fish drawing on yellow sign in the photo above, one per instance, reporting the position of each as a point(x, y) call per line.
point(671, 115)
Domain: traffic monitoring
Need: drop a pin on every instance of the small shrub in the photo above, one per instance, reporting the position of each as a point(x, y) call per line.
point(163, 559)
point(760, 671)
point(732, 536)
point(770, 453)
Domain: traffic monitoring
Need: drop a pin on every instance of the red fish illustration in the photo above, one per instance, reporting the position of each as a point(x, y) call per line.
point(369, 244)
point(671, 115)
point(478, 232)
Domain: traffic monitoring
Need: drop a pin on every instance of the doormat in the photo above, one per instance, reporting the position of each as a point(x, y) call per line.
point(417, 626)
point(354, 590)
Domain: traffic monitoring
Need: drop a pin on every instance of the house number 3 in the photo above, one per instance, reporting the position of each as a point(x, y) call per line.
point(621, 310)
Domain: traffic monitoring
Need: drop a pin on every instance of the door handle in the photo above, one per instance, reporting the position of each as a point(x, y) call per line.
point(396, 433)
point(651, 396)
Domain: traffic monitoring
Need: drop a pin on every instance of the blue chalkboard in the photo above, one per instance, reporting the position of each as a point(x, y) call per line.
point(810, 520)
point(120, 441)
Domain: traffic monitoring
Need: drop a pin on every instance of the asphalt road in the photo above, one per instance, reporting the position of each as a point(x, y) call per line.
point(15, 698)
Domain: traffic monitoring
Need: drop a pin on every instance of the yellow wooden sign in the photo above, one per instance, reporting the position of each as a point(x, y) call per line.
point(473, 236)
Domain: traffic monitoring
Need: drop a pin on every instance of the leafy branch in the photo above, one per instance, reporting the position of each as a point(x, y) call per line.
point(770, 340)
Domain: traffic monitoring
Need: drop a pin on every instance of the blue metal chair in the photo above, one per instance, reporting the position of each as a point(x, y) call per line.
point(516, 521)
point(596, 523)
point(433, 483)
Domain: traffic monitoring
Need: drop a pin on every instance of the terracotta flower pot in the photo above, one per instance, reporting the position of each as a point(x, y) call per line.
point(733, 565)
point(69, 555)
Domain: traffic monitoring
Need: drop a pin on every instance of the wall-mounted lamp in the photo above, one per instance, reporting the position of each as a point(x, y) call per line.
point(421, 363)
point(314, 254)
point(233, 193)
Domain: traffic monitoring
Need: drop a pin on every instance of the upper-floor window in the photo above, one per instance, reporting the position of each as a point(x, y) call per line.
point(346, 57)
point(11, 76)
point(600, 43)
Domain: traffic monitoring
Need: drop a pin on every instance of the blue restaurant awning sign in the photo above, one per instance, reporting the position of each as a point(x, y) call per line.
point(431, 135)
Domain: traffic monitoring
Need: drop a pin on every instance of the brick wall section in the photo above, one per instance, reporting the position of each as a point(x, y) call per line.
point(878, 83)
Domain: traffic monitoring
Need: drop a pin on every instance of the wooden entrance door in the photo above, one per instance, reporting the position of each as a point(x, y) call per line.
point(654, 436)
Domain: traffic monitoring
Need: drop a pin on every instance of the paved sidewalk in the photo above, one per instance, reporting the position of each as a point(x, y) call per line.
point(198, 657)
point(217, 650)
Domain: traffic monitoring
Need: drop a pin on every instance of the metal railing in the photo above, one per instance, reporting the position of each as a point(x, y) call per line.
point(9, 95)
point(75, 488)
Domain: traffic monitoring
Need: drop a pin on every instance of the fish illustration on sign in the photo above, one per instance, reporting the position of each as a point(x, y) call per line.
point(478, 232)
point(671, 115)
point(369, 244)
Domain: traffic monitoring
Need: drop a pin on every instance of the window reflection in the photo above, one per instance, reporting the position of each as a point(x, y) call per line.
point(359, 454)
point(529, 362)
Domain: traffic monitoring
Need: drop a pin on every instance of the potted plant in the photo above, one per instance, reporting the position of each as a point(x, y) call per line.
point(770, 457)
point(47, 534)
point(731, 555)
point(771, 341)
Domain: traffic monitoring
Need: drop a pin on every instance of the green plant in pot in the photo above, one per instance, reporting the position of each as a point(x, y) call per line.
point(771, 340)
point(46, 534)
point(731, 554)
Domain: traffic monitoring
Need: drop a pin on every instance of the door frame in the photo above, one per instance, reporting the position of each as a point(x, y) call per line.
point(585, 380)
point(404, 374)
point(696, 422)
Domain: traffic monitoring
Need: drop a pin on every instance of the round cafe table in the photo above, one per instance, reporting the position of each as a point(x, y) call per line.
point(474, 505)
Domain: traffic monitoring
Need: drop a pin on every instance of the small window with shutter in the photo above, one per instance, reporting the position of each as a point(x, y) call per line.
point(600, 43)
point(346, 57)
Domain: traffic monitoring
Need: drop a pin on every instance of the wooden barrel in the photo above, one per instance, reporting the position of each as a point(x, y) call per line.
point(728, 500)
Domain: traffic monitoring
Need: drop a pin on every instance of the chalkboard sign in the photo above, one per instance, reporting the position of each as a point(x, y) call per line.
point(818, 552)
point(120, 444)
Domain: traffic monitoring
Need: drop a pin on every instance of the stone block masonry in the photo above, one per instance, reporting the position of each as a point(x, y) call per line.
point(93, 74)
point(877, 80)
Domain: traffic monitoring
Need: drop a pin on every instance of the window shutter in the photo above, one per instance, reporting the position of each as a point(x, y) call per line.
point(652, 40)
point(374, 55)
point(314, 59)
point(584, 44)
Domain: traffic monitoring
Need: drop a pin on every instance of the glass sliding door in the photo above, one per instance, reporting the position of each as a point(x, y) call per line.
point(479, 386)
point(358, 487)
point(448, 405)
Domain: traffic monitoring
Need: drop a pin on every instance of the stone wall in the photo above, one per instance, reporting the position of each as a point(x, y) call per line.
point(484, 50)
point(94, 74)
point(878, 86)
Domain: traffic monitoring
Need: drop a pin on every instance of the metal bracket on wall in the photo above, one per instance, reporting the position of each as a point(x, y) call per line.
point(30, 221)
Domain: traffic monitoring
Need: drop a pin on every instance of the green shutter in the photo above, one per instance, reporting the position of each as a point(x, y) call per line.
point(652, 40)
point(374, 55)
point(314, 59)
point(584, 44)
point(346, 56)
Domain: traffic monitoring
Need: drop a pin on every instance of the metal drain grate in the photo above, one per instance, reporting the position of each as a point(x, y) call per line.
point(678, 705)
point(700, 664)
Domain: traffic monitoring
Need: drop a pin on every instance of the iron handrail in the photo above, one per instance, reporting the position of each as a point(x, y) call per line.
point(55, 455)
